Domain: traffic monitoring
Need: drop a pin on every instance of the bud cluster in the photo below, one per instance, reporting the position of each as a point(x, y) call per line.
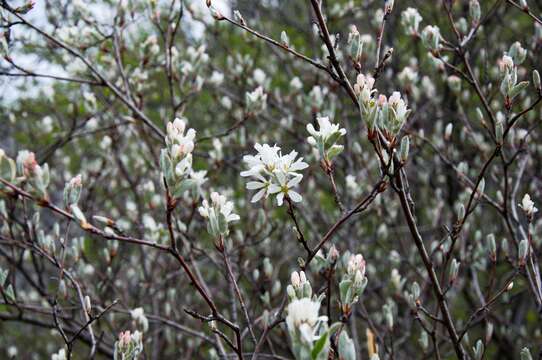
point(36, 175)
point(508, 65)
point(353, 283)
point(128, 346)
point(388, 115)
point(218, 214)
point(176, 158)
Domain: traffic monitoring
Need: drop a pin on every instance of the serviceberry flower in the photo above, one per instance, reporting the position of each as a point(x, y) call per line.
point(410, 19)
point(528, 206)
point(510, 87)
point(37, 175)
point(60, 355)
point(431, 38)
point(324, 139)
point(274, 173)
point(129, 345)
point(176, 158)
point(256, 101)
point(138, 315)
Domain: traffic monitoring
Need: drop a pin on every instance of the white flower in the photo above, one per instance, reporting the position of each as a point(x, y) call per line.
point(296, 84)
point(284, 187)
point(259, 76)
point(303, 317)
point(364, 88)
point(507, 63)
point(324, 140)
point(407, 76)
point(274, 173)
point(528, 205)
point(12, 351)
point(302, 311)
point(356, 263)
point(218, 213)
point(217, 78)
point(199, 179)
point(326, 129)
point(256, 100)
point(431, 37)
point(60, 355)
point(220, 204)
point(138, 315)
point(181, 144)
point(410, 19)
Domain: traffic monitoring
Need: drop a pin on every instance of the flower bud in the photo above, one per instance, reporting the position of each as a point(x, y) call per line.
point(415, 290)
point(448, 131)
point(267, 268)
point(492, 246)
point(478, 350)
point(474, 12)
point(431, 37)
point(499, 131)
point(284, 39)
point(454, 270)
point(72, 191)
point(405, 147)
point(523, 250)
point(525, 354)
point(536, 80)
point(424, 340)
point(87, 304)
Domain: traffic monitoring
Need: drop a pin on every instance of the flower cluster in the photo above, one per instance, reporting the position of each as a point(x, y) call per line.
point(60, 355)
point(138, 315)
point(527, 205)
point(72, 191)
point(431, 38)
point(37, 175)
point(274, 173)
point(128, 346)
point(410, 19)
point(256, 101)
point(299, 286)
point(218, 214)
point(324, 139)
point(353, 283)
point(305, 326)
point(176, 159)
point(510, 87)
point(388, 115)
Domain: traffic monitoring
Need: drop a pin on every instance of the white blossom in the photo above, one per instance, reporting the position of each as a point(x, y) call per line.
point(303, 318)
point(138, 315)
point(274, 173)
point(528, 205)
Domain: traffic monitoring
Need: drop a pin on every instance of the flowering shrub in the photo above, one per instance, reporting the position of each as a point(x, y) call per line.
point(309, 180)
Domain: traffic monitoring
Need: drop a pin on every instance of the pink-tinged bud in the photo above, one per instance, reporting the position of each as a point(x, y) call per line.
point(355, 264)
point(382, 100)
point(296, 281)
point(302, 277)
point(30, 164)
point(76, 181)
point(124, 338)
